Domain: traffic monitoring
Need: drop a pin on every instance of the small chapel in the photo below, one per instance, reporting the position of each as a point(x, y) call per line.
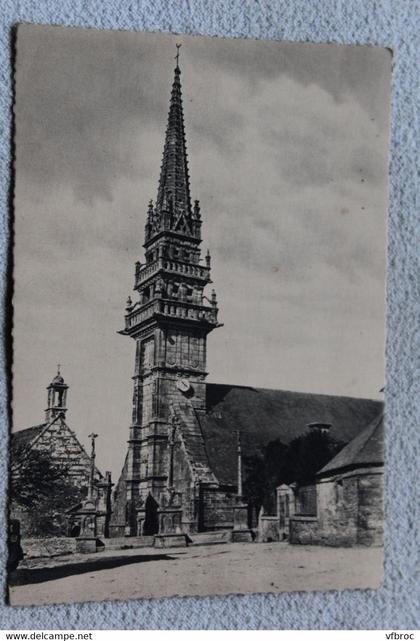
point(182, 472)
point(54, 445)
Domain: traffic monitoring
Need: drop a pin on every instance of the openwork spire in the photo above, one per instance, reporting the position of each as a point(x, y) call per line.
point(173, 210)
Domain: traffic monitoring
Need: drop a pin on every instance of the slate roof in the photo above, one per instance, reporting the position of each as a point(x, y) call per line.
point(264, 415)
point(366, 449)
point(21, 439)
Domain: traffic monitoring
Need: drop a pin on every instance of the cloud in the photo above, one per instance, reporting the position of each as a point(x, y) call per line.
point(306, 182)
point(340, 70)
point(80, 94)
point(287, 149)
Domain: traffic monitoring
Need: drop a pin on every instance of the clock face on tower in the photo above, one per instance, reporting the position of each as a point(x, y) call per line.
point(183, 385)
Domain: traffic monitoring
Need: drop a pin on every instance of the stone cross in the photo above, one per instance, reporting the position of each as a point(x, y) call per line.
point(92, 437)
point(239, 452)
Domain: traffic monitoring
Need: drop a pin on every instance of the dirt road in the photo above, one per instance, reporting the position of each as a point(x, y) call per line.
point(216, 569)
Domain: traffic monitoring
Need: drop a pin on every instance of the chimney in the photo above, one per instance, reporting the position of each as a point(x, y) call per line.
point(320, 427)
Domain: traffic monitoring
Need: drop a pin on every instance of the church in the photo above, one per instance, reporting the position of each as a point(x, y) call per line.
point(182, 471)
point(53, 443)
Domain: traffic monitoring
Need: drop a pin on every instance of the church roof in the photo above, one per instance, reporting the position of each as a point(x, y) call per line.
point(23, 438)
point(264, 415)
point(365, 449)
point(58, 380)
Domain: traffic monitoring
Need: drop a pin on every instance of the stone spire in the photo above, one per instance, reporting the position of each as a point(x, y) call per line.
point(173, 210)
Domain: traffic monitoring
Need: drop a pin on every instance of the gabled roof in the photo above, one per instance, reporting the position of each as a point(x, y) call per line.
point(365, 449)
point(264, 415)
point(21, 441)
point(23, 438)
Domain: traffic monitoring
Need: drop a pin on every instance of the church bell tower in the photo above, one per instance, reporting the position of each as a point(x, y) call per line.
point(56, 398)
point(170, 320)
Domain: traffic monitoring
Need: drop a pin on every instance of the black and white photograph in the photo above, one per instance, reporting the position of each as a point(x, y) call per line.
point(199, 261)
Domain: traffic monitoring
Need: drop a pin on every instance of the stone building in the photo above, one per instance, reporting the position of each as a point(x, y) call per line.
point(180, 471)
point(59, 441)
point(349, 495)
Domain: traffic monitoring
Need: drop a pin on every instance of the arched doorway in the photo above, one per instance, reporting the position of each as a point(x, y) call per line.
point(75, 530)
point(151, 521)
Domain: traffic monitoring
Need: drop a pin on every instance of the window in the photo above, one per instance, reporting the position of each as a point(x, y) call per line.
point(338, 486)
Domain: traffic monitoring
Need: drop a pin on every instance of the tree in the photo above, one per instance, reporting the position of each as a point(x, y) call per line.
point(255, 481)
point(305, 456)
point(297, 462)
point(42, 488)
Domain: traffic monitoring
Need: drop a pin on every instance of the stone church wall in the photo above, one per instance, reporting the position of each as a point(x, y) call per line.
point(350, 511)
point(337, 511)
point(183, 483)
point(371, 510)
point(216, 508)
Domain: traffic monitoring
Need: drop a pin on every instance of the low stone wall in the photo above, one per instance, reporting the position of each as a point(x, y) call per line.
point(268, 529)
point(128, 542)
point(304, 530)
point(37, 548)
point(51, 547)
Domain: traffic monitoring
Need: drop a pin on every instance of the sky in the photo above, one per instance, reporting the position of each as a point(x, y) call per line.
point(287, 149)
